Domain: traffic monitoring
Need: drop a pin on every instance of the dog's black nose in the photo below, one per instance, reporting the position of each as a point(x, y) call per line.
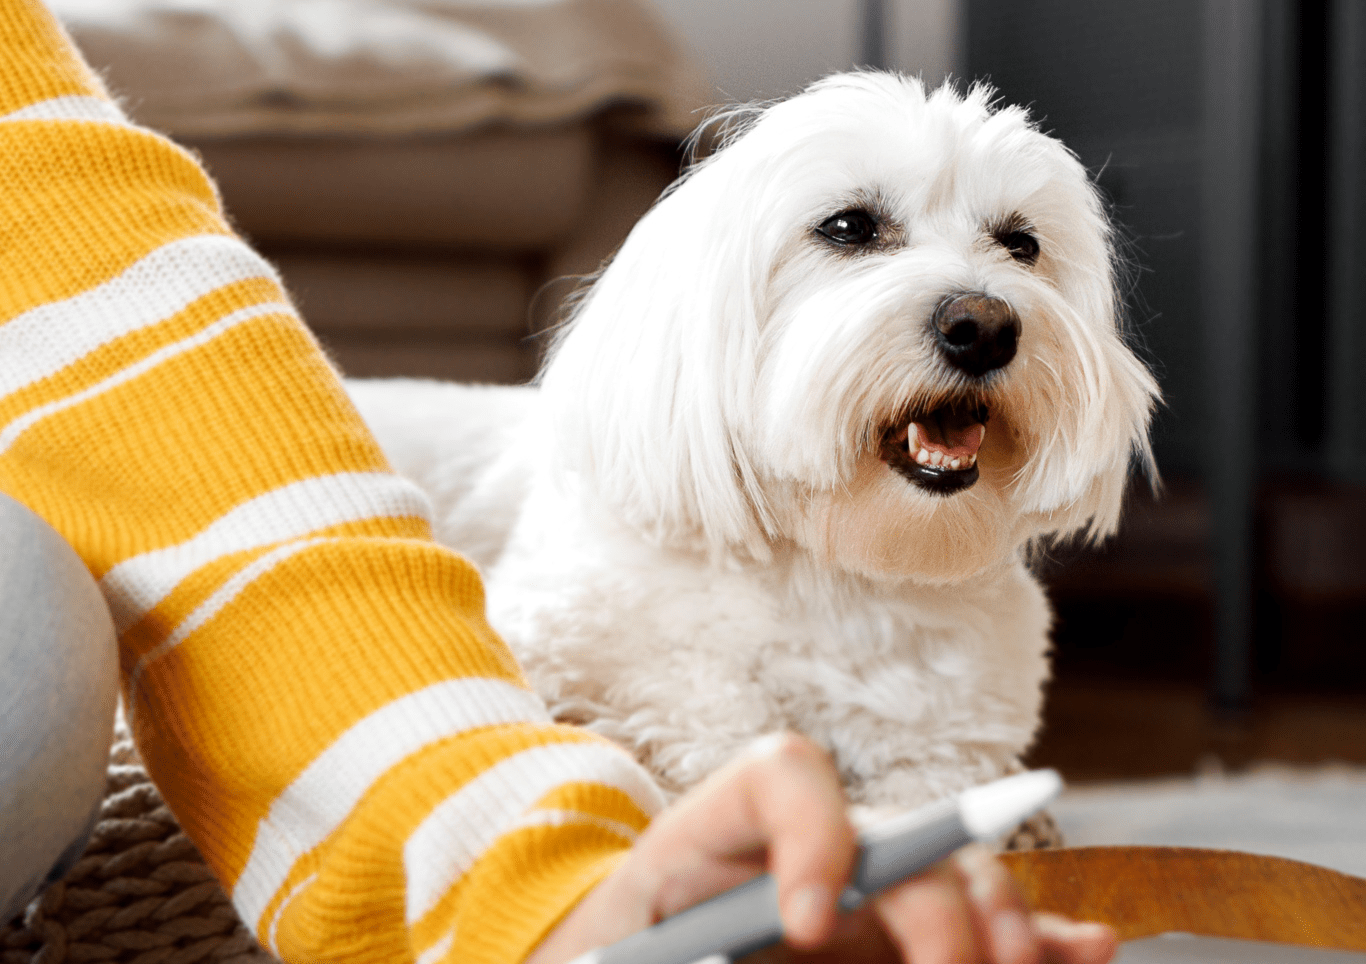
point(976, 333)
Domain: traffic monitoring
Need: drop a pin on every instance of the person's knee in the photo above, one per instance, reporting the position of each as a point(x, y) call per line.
point(58, 689)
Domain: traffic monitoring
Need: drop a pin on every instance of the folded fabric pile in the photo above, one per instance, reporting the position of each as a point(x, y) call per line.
point(222, 67)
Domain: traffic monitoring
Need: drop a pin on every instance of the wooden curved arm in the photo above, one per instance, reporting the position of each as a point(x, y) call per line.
point(1142, 891)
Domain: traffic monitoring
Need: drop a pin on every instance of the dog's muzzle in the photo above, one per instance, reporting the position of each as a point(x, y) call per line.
point(936, 445)
point(976, 333)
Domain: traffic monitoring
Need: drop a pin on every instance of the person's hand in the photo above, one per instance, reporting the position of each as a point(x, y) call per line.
point(780, 808)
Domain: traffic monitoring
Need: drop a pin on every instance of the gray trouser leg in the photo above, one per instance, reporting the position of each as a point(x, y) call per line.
point(58, 687)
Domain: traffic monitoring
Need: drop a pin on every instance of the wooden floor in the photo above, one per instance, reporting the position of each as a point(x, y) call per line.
point(1111, 729)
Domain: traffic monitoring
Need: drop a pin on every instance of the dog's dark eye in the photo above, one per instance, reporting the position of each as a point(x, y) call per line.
point(849, 227)
point(1021, 245)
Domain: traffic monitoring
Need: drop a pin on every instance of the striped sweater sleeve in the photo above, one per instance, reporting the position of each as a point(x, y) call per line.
point(310, 678)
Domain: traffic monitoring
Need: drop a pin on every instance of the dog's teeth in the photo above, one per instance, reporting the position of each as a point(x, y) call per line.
point(917, 450)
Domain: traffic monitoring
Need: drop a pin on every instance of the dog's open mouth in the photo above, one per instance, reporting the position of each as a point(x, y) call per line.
point(936, 448)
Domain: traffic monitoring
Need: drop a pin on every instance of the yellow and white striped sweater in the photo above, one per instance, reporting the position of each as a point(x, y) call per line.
point(311, 679)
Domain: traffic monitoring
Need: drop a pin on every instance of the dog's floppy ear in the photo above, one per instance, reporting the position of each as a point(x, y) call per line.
point(644, 382)
point(1105, 395)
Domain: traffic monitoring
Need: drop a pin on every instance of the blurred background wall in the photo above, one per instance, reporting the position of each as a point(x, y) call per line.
point(760, 49)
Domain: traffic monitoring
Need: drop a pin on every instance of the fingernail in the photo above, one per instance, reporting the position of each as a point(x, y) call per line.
point(973, 857)
point(976, 864)
point(1010, 936)
point(806, 910)
point(1088, 930)
point(770, 744)
point(1069, 929)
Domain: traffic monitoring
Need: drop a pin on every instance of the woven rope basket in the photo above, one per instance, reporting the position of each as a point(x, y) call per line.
point(140, 893)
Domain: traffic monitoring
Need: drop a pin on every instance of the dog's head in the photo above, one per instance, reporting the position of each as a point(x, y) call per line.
point(877, 324)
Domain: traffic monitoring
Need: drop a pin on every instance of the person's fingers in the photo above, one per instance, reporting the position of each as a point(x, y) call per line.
point(929, 919)
point(999, 911)
point(781, 799)
point(802, 807)
point(1066, 941)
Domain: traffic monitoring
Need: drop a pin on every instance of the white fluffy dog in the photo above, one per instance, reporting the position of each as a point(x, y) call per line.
point(786, 460)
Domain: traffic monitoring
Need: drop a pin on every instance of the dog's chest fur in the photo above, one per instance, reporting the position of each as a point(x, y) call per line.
point(918, 691)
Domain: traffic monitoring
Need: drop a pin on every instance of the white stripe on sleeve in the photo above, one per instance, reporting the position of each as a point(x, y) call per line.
point(316, 803)
point(24, 422)
point(273, 931)
point(553, 817)
point(298, 509)
point(71, 107)
point(463, 826)
point(209, 608)
point(437, 951)
point(44, 340)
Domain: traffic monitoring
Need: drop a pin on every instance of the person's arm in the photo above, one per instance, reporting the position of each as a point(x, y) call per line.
point(310, 678)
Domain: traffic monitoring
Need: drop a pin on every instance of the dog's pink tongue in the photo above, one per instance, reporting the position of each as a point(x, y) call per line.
point(954, 436)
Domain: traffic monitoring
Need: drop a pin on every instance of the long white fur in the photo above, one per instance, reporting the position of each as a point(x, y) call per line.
point(688, 536)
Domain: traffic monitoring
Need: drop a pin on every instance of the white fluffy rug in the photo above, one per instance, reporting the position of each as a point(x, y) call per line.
point(1316, 815)
point(1184, 949)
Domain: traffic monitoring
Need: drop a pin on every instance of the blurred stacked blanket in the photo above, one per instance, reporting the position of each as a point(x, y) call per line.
point(418, 169)
point(214, 68)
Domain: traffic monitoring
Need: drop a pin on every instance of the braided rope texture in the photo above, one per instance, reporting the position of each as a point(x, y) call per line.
point(1039, 832)
point(139, 894)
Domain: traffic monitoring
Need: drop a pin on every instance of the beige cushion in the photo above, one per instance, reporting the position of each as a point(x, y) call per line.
point(418, 315)
point(493, 363)
point(494, 190)
point(353, 294)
